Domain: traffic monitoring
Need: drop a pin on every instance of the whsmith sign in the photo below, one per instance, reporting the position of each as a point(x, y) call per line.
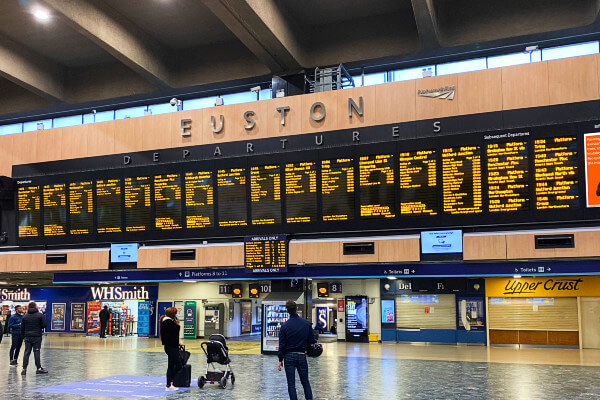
point(12, 294)
point(119, 293)
point(555, 286)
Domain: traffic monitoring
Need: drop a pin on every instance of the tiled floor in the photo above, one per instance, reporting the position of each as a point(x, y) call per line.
point(345, 371)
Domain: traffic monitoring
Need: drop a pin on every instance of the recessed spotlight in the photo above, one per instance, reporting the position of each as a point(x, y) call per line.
point(517, 276)
point(41, 14)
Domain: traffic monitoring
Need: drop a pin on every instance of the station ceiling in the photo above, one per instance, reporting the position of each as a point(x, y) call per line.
point(87, 51)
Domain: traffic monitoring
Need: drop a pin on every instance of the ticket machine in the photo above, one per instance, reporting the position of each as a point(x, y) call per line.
point(213, 319)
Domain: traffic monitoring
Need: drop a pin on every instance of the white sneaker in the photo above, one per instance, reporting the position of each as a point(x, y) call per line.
point(171, 388)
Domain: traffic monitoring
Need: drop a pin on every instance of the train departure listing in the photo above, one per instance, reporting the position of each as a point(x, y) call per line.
point(138, 204)
point(265, 194)
point(199, 199)
point(337, 180)
point(81, 208)
point(377, 192)
point(55, 210)
point(231, 184)
point(508, 176)
point(301, 192)
point(108, 203)
point(418, 183)
point(461, 174)
point(29, 206)
point(266, 253)
point(167, 201)
point(556, 183)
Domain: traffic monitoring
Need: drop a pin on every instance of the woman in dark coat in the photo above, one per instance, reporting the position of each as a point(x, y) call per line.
point(169, 336)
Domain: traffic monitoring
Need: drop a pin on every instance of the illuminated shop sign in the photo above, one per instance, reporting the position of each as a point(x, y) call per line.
point(8, 294)
point(119, 293)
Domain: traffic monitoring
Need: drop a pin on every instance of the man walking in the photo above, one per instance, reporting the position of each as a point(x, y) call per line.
point(32, 330)
point(295, 336)
point(104, 317)
point(14, 328)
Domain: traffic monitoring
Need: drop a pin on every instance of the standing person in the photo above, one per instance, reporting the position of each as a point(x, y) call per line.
point(14, 328)
point(295, 336)
point(169, 336)
point(104, 315)
point(32, 328)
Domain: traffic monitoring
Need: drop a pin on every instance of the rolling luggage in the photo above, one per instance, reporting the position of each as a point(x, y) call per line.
point(183, 377)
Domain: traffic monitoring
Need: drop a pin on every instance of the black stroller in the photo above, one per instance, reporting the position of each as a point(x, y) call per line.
point(216, 352)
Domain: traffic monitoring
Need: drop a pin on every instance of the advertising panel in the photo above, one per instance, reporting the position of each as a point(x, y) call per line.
point(77, 317)
point(143, 325)
point(322, 314)
point(356, 319)
point(58, 316)
point(592, 169)
point(471, 313)
point(189, 320)
point(246, 317)
point(93, 317)
point(388, 312)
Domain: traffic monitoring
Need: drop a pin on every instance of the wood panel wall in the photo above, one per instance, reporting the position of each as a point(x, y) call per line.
point(531, 85)
point(414, 315)
point(36, 261)
point(562, 316)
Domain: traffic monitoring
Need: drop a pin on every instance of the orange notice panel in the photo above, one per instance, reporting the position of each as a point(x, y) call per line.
point(592, 169)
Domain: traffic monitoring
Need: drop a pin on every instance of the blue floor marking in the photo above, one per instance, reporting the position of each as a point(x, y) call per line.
point(129, 386)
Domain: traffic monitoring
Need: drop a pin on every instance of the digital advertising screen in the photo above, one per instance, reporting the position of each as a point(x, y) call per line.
point(357, 317)
point(441, 242)
point(388, 312)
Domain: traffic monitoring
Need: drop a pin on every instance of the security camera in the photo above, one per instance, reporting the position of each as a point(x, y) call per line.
point(174, 101)
point(255, 89)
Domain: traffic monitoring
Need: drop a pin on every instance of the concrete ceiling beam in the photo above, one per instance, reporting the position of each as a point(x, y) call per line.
point(31, 71)
point(264, 29)
point(427, 25)
point(118, 36)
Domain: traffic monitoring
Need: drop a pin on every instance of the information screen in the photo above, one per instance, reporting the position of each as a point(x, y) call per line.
point(265, 253)
point(440, 242)
point(124, 253)
point(55, 210)
point(265, 194)
point(231, 184)
point(199, 200)
point(377, 192)
point(556, 179)
point(81, 208)
point(108, 199)
point(337, 189)
point(167, 200)
point(29, 206)
point(301, 192)
point(418, 182)
point(388, 312)
point(508, 176)
point(138, 204)
point(461, 172)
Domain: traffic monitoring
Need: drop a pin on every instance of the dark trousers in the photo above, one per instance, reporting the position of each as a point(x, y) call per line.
point(15, 346)
point(103, 326)
point(174, 363)
point(293, 362)
point(34, 343)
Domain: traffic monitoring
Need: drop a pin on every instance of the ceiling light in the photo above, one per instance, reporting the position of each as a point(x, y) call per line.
point(3, 283)
point(188, 281)
point(392, 278)
point(517, 276)
point(41, 15)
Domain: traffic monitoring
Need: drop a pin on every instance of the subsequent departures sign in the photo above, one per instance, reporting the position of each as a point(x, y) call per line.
point(265, 253)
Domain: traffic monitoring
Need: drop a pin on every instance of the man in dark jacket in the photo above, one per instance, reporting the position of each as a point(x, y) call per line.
point(32, 328)
point(14, 328)
point(104, 317)
point(295, 336)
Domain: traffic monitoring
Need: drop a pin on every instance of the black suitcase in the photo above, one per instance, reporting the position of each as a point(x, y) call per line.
point(183, 378)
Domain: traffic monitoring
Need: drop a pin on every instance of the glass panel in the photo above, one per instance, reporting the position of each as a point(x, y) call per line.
point(71, 120)
point(196, 104)
point(33, 125)
point(9, 129)
point(412, 73)
point(375, 79)
point(130, 112)
point(99, 117)
point(508, 60)
point(536, 56)
point(357, 81)
point(266, 94)
point(164, 108)
point(574, 50)
point(237, 98)
point(461, 66)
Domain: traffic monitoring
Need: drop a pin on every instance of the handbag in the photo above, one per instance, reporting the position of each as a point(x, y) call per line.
point(185, 355)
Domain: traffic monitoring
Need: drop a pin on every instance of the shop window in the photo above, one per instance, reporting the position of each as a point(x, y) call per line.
point(131, 112)
point(71, 120)
point(509, 59)
point(581, 49)
point(10, 129)
point(163, 108)
point(461, 66)
point(37, 125)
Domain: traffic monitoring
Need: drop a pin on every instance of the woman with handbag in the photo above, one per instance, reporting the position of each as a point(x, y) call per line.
point(169, 336)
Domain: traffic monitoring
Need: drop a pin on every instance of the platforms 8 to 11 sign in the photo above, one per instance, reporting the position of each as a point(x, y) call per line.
point(266, 254)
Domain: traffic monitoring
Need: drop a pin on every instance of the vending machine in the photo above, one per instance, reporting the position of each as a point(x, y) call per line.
point(273, 316)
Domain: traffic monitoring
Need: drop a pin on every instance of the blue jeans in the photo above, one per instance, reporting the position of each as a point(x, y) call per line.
point(15, 345)
point(293, 362)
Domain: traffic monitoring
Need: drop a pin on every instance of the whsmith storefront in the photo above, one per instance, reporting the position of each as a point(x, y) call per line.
point(556, 310)
point(75, 309)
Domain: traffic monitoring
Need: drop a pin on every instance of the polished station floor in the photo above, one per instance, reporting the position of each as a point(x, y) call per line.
point(345, 371)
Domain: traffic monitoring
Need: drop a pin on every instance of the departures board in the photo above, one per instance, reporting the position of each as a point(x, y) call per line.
point(501, 178)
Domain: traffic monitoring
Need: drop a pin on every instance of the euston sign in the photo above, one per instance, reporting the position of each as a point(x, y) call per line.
point(118, 293)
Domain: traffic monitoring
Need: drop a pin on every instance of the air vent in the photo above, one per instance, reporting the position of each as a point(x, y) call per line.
point(554, 241)
point(56, 258)
point(355, 248)
point(183, 254)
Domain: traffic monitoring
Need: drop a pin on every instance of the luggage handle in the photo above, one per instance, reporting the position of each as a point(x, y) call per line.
point(182, 347)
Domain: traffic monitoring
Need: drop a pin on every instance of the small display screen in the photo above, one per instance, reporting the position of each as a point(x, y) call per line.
point(265, 253)
point(388, 312)
point(123, 253)
point(441, 242)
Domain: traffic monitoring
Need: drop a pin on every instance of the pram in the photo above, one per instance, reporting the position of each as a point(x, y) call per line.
point(216, 351)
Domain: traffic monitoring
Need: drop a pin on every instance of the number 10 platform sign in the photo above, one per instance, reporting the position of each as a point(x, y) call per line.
point(266, 254)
